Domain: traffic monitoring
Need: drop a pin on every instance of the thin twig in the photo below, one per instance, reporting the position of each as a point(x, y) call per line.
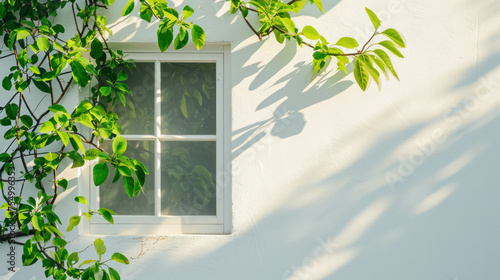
point(251, 27)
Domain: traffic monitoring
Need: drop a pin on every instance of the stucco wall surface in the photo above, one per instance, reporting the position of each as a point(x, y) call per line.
point(329, 182)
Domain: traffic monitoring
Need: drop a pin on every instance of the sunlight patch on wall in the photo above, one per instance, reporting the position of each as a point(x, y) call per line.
point(434, 199)
point(360, 224)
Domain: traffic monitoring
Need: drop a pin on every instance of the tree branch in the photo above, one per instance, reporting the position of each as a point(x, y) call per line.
point(251, 27)
point(11, 236)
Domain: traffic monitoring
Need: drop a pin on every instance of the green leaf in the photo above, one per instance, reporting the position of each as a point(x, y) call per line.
point(319, 55)
point(204, 173)
point(140, 175)
point(27, 120)
point(43, 43)
point(84, 106)
point(99, 246)
point(122, 76)
point(368, 65)
point(6, 121)
point(395, 37)
point(289, 25)
point(47, 127)
point(373, 18)
point(128, 185)
point(51, 156)
point(73, 258)
point(387, 61)
point(279, 36)
point(64, 137)
point(320, 5)
point(82, 200)
point(244, 11)
point(128, 8)
point(57, 108)
point(11, 110)
point(35, 70)
point(187, 12)
point(347, 42)
point(380, 64)
point(165, 35)
point(145, 13)
point(182, 32)
point(73, 222)
point(105, 91)
point(79, 73)
point(3, 12)
point(124, 170)
point(96, 49)
point(310, 33)
point(235, 5)
point(86, 262)
point(298, 5)
point(37, 222)
point(119, 145)
point(6, 83)
point(78, 142)
point(198, 36)
point(184, 107)
point(114, 274)
point(171, 14)
point(42, 86)
point(361, 75)
point(59, 242)
point(100, 172)
point(4, 157)
point(117, 257)
point(22, 33)
point(391, 47)
point(107, 214)
point(180, 42)
point(91, 154)
point(63, 183)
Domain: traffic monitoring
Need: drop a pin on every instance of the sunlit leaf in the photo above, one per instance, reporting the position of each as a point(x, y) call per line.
point(387, 61)
point(100, 172)
point(395, 37)
point(117, 257)
point(128, 8)
point(347, 42)
point(187, 12)
point(119, 145)
point(165, 35)
point(391, 47)
point(198, 36)
point(361, 75)
point(373, 18)
point(310, 33)
point(82, 200)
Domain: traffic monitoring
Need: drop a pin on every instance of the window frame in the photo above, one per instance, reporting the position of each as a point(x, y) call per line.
point(190, 224)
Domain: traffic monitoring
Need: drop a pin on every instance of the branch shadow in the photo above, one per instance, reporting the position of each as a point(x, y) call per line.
point(287, 119)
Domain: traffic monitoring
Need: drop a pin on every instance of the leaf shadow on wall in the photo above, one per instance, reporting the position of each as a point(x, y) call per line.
point(294, 94)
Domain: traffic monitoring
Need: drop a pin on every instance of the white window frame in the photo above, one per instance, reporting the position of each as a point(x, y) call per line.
point(158, 224)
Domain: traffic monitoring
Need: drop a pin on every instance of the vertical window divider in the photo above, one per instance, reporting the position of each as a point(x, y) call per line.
point(157, 144)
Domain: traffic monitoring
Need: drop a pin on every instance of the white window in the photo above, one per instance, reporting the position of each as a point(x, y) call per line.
point(174, 124)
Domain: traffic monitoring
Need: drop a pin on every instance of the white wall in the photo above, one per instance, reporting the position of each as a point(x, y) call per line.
point(333, 183)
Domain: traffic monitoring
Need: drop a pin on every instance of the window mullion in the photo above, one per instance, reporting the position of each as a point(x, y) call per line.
point(157, 140)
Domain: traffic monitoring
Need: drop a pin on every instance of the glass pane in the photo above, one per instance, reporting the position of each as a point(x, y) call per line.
point(188, 178)
point(113, 195)
point(138, 115)
point(188, 98)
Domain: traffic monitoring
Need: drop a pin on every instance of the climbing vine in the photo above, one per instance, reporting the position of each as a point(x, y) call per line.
point(42, 137)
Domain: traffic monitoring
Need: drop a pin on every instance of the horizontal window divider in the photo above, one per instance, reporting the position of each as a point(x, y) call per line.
point(187, 137)
point(138, 137)
point(146, 219)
